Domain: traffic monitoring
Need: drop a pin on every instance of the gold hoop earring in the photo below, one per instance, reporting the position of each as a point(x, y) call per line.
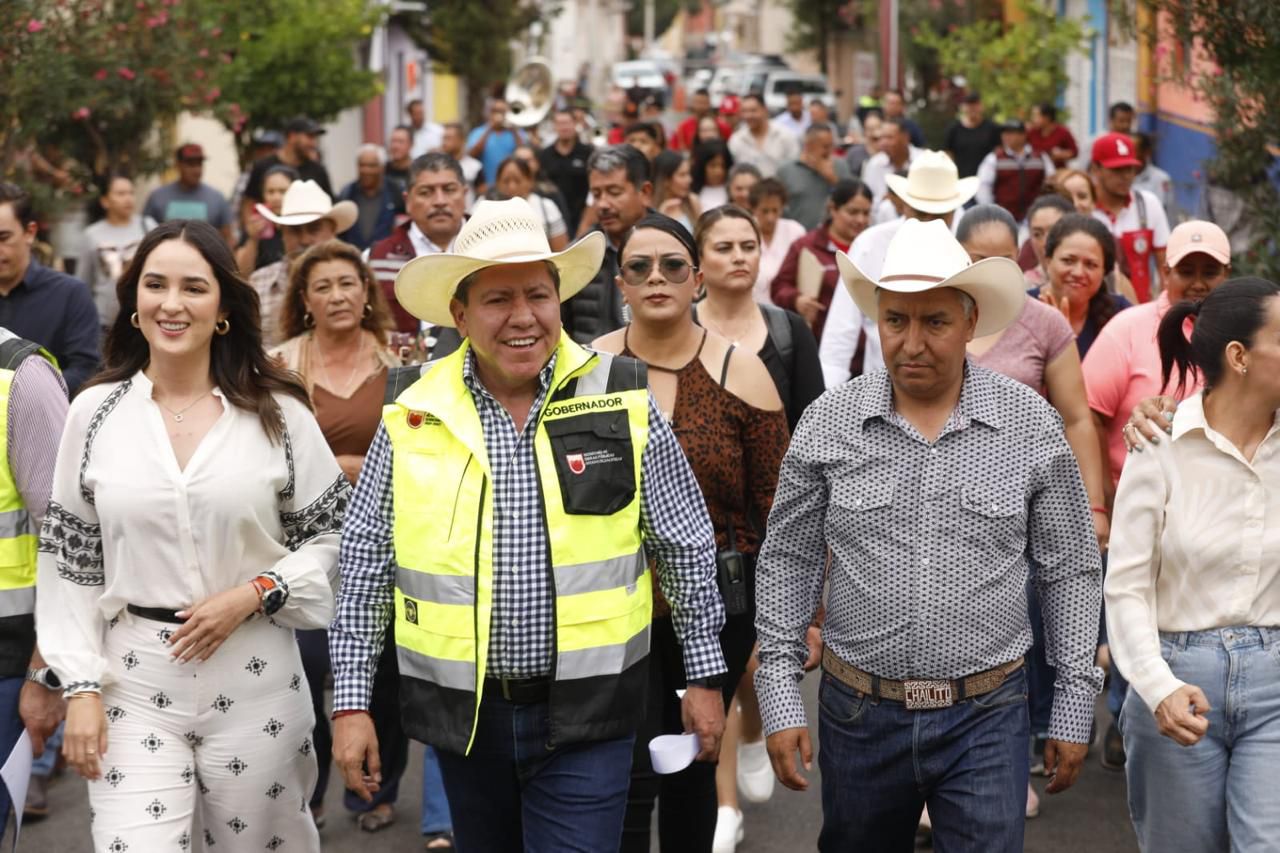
point(307, 320)
point(222, 326)
point(133, 320)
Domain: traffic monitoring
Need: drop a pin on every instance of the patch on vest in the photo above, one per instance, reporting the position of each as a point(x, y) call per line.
point(579, 462)
point(414, 419)
point(411, 611)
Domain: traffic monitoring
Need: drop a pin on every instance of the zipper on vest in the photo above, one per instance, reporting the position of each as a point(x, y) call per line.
point(475, 611)
point(454, 515)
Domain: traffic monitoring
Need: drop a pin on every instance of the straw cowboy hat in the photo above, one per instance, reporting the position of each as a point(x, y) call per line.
point(498, 232)
point(304, 203)
point(925, 256)
point(932, 184)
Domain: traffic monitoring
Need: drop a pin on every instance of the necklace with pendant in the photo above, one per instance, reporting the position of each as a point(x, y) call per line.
point(178, 415)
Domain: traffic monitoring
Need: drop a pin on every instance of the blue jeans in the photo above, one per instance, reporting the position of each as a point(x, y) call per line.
point(10, 730)
point(44, 763)
point(1219, 794)
point(435, 805)
point(513, 793)
point(882, 763)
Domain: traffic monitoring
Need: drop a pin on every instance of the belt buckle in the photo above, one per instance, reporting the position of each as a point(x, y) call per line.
point(506, 688)
point(927, 695)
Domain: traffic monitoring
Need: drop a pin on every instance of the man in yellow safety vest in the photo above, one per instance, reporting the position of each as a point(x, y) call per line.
point(507, 518)
point(33, 409)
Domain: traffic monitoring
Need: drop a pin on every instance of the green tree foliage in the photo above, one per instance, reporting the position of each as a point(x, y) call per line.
point(664, 12)
point(472, 40)
point(1240, 80)
point(814, 21)
point(1013, 65)
point(297, 57)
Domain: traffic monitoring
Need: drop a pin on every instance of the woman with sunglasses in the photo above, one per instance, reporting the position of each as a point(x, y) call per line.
point(729, 420)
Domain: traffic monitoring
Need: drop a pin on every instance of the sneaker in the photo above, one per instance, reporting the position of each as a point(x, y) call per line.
point(1033, 802)
point(924, 830)
point(729, 830)
point(1113, 749)
point(755, 772)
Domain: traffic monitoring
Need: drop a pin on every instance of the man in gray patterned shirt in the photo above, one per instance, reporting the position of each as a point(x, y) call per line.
point(932, 483)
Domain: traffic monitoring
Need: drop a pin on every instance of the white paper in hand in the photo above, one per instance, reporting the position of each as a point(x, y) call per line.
point(673, 753)
point(16, 773)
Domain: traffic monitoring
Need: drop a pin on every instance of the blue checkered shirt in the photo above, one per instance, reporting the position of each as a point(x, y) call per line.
point(673, 520)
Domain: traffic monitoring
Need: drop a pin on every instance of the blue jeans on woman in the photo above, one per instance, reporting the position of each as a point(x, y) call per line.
point(1219, 794)
point(435, 805)
point(881, 764)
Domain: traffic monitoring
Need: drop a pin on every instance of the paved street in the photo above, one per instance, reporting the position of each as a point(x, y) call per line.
point(1091, 816)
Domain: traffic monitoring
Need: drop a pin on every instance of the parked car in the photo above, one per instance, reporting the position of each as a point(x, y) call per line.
point(778, 84)
point(640, 73)
point(723, 82)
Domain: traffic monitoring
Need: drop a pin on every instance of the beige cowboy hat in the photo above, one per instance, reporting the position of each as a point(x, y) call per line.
point(925, 256)
point(932, 184)
point(498, 232)
point(305, 202)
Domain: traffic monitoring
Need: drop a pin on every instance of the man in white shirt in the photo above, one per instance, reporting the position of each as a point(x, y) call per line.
point(759, 141)
point(932, 189)
point(454, 144)
point(1152, 178)
point(895, 157)
point(794, 118)
point(427, 135)
point(1012, 175)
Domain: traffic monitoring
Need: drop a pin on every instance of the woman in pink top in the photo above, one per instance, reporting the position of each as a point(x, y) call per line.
point(1036, 349)
point(768, 199)
point(1123, 365)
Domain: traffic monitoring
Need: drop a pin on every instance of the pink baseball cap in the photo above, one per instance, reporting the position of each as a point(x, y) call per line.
point(1114, 151)
point(1197, 235)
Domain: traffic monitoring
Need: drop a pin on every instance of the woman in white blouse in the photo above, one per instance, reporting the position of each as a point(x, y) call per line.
point(193, 525)
point(1193, 587)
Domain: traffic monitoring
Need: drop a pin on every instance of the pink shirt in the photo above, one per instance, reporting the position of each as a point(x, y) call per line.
point(1122, 369)
point(1029, 345)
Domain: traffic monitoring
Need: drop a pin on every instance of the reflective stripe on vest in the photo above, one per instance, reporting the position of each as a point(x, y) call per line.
point(443, 530)
point(17, 533)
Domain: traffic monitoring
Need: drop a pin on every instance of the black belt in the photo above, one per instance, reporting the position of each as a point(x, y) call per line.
point(159, 614)
point(520, 691)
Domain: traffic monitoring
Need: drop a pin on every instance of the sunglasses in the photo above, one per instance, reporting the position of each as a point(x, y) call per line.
point(635, 272)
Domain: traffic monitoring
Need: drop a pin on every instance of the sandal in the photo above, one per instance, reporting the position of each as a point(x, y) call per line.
point(375, 819)
point(442, 841)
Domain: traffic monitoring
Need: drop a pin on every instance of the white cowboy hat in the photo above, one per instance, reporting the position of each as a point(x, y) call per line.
point(925, 256)
point(498, 232)
point(305, 202)
point(932, 184)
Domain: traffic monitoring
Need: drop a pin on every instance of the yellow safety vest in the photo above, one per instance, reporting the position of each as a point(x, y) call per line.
point(589, 439)
point(18, 535)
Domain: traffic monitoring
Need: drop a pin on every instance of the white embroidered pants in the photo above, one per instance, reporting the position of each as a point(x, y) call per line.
point(229, 738)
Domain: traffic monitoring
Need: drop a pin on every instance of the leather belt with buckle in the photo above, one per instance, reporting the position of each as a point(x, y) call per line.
point(520, 691)
point(918, 694)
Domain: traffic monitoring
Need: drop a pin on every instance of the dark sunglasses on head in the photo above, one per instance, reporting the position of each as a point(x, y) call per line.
point(635, 272)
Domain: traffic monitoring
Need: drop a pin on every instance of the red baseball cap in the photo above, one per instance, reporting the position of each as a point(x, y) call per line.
point(729, 105)
point(191, 152)
point(1114, 151)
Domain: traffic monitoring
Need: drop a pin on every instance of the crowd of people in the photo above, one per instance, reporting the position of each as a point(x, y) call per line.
point(538, 448)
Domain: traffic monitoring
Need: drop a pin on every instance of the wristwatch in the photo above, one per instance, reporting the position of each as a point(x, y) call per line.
point(711, 682)
point(271, 595)
point(45, 677)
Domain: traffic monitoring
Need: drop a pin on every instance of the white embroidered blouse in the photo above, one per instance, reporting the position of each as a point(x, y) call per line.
point(126, 526)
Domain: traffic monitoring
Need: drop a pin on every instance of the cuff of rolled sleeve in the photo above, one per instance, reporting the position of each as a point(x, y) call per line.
point(1072, 718)
point(781, 705)
point(352, 689)
point(703, 659)
point(1154, 688)
point(82, 686)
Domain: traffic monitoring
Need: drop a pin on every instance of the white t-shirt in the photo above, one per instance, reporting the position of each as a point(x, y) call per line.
point(548, 214)
point(773, 253)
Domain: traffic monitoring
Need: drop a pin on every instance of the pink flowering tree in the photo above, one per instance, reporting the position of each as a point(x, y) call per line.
point(90, 82)
point(91, 85)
